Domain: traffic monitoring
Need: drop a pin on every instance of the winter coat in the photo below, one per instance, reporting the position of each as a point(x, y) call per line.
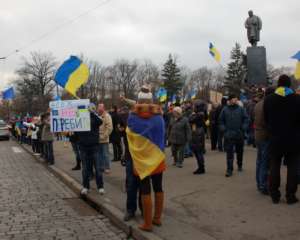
point(180, 131)
point(261, 133)
point(213, 118)
point(198, 119)
point(282, 117)
point(233, 122)
point(47, 135)
point(115, 136)
point(90, 138)
point(106, 128)
point(198, 139)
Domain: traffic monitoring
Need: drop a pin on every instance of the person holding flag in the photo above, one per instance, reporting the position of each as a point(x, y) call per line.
point(145, 135)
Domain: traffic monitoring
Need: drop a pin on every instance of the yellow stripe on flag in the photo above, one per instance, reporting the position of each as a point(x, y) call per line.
point(297, 72)
point(217, 54)
point(146, 156)
point(77, 78)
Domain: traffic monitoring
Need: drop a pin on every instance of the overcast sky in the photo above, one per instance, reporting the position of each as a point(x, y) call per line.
point(145, 29)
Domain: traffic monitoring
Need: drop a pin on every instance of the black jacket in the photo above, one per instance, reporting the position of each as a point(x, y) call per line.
point(115, 136)
point(282, 118)
point(91, 138)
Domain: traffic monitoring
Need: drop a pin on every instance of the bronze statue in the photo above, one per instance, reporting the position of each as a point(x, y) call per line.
point(253, 25)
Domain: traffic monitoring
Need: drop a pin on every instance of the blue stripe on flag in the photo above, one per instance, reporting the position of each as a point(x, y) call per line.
point(66, 69)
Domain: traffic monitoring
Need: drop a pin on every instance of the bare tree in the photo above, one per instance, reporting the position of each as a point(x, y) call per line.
point(274, 73)
point(148, 73)
point(34, 81)
point(124, 77)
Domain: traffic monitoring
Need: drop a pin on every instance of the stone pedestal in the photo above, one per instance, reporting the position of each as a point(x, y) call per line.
point(257, 66)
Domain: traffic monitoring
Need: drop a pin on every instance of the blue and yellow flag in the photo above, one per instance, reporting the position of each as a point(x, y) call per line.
point(72, 74)
point(174, 98)
point(8, 94)
point(161, 94)
point(283, 91)
point(214, 53)
point(297, 72)
point(193, 94)
point(146, 143)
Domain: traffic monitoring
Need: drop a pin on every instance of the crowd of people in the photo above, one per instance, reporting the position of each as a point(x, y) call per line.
point(139, 132)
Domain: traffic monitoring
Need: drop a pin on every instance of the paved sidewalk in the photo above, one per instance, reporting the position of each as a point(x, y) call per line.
point(36, 205)
point(206, 207)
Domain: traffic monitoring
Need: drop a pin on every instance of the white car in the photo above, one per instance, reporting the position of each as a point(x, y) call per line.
point(4, 130)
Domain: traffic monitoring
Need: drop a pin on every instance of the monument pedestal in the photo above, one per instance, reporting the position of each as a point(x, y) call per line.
point(257, 66)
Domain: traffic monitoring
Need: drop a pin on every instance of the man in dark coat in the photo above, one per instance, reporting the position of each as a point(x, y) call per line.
point(115, 137)
point(213, 126)
point(233, 122)
point(220, 133)
point(282, 118)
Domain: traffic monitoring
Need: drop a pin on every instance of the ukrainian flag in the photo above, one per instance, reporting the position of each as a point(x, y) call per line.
point(297, 72)
point(146, 144)
point(214, 52)
point(174, 99)
point(162, 94)
point(72, 74)
point(193, 94)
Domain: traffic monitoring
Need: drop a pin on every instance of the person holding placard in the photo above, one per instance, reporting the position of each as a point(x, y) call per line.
point(88, 142)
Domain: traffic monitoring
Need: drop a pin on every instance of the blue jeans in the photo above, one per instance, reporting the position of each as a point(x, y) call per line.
point(89, 156)
point(132, 187)
point(104, 156)
point(262, 164)
point(49, 156)
point(231, 146)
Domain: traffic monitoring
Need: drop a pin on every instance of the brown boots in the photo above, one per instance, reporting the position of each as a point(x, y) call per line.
point(147, 211)
point(159, 202)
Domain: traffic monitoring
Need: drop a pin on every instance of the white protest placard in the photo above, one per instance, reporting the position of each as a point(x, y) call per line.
point(70, 116)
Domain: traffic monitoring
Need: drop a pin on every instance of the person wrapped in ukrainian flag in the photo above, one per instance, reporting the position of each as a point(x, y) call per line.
point(145, 134)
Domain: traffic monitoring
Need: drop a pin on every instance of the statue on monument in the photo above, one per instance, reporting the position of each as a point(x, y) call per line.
point(253, 25)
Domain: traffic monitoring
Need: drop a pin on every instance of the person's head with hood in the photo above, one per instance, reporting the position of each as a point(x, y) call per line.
point(284, 81)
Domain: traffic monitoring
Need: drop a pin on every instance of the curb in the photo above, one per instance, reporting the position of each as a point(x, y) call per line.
point(103, 206)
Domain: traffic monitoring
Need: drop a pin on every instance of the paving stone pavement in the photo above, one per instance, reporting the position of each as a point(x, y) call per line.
point(34, 204)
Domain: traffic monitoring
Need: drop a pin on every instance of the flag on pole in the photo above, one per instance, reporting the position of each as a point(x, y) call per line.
point(193, 94)
point(297, 72)
point(214, 53)
point(174, 99)
point(8, 94)
point(72, 74)
point(161, 94)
